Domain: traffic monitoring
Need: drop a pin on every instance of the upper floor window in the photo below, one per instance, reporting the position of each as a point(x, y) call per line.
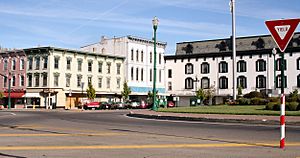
point(137, 55)
point(205, 68)
point(137, 74)
point(29, 76)
point(169, 86)
point(159, 76)
point(260, 65)
point(5, 65)
point(108, 67)
point(13, 65)
point(22, 64)
point(142, 56)
point(56, 80)
point(241, 66)
point(37, 63)
point(37, 80)
point(89, 80)
point(132, 54)
point(170, 73)
point(260, 81)
point(100, 67)
point(79, 83)
point(205, 83)
point(90, 65)
point(142, 74)
point(223, 82)
point(68, 80)
point(150, 74)
point(45, 62)
point(68, 63)
point(118, 83)
point(150, 57)
point(131, 73)
point(242, 82)
point(100, 82)
point(4, 81)
point(22, 80)
point(189, 68)
point(107, 82)
point(223, 67)
point(118, 68)
point(45, 77)
point(189, 83)
point(278, 63)
point(56, 62)
point(30, 60)
point(13, 81)
point(79, 65)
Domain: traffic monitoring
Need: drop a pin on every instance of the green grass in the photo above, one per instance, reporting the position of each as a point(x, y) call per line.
point(225, 109)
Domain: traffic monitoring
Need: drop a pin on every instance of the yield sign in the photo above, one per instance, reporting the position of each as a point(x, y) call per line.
point(282, 31)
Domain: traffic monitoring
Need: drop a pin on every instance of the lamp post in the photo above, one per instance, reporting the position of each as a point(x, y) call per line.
point(274, 54)
point(9, 89)
point(232, 9)
point(155, 23)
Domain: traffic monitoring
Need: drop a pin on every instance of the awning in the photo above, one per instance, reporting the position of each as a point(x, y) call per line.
point(32, 95)
point(14, 94)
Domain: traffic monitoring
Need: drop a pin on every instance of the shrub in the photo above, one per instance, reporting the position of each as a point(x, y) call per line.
point(292, 106)
point(273, 106)
point(253, 94)
point(244, 101)
point(274, 99)
point(258, 101)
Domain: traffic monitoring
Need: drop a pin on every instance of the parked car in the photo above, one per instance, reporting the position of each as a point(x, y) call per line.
point(119, 105)
point(105, 105)
point(91, 105)
point(134, 104)
point(143, 105)
point(171, 104)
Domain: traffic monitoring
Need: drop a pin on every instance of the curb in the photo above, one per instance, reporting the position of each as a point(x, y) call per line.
point(199, 119)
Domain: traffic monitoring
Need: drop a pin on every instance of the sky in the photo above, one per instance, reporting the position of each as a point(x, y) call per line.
point(75, 23)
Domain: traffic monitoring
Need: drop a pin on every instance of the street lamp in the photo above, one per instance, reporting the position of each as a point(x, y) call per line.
point(9, 80)
point(155, 23)
point(232, 9)
point(274, 54)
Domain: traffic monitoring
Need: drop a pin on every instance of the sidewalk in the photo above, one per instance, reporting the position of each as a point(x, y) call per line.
point(247, 119)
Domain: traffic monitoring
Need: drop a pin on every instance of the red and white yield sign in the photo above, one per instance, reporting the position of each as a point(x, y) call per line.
point(282, 31)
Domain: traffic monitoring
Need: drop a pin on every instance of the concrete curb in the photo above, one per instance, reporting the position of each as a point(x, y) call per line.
point(199, 119)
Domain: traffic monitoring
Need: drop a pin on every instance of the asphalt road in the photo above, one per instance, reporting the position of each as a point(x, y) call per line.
point(109, 134)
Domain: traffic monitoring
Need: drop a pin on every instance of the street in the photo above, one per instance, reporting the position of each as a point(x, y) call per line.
point(112, 134)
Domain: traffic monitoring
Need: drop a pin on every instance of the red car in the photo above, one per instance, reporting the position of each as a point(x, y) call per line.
point(91, 105)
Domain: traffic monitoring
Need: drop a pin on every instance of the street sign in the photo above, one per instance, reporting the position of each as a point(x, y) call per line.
point(282, 31)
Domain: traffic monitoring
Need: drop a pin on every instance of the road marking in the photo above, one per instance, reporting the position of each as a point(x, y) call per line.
point(58, 134)
point(131, 146)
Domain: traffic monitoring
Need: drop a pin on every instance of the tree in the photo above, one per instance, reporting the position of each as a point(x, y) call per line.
point(1, 95)
point(204, 94)
point(150, 96)
point(240, 90)
point(200, 94)
point(91, 93)
point(210, 93)
point(126, 91)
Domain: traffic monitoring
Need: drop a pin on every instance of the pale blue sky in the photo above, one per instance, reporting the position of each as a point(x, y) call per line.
point(74, 23)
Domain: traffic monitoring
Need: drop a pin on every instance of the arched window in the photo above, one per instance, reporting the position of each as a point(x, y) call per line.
point(205, 83)
point(189, 68)
point(242, 81)
point(260, 81)
point(223, 67)
point(241, 66)
point(189, 83)
point(260, 65)
point(223, 82)
point(205, 68)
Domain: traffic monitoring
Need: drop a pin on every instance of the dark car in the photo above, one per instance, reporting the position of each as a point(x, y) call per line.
point(91, 105)
point(119, 105)
point(105, 105)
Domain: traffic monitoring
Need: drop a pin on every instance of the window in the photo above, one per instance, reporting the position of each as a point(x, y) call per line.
point(29, 76)
point(298, 64)
point(107, 82)
point(223, 67)
point(4, 82)
point(79, 77)
point(142, 56)
point(298, 81)
point(68, 63)
point(56, 63)
point(205, 83)
point(189, 83)
point(260, 65)
point(169, 86)
point(29, 64)
point(22, 80)
point(45, 80)
point(241, 66)
point(150, 75)
point(100, 82)
point(90, 64)
point(118, 83)
point(223, 82)
point(205, 68)
point(37, 63)
point(260, 81)
point(68, 80)
point(13, 64)
point(189, 68)
point(45, 62)
point(150, 57)
point(169, 73)
point(56, 79)
point(142, 74)
point(242, 82)
point(89, 80)
point(137, 55)
point(108, 67)
point(159, 76)
point(100, 67)
point(132, 54)
point(13, 81)
point(159, 59)
point(137, 74)
point(278, 78)
point(278, 63)
point(79, 64)
point(22, 64)
point(37, 80)
point(118, 68)
point(131, 74)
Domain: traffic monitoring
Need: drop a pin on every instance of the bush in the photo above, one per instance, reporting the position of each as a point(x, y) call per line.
point(273, 106)
point(253, 94)
point(274, 99)
point(258, 101)
point(243, 101)
point(292, 106)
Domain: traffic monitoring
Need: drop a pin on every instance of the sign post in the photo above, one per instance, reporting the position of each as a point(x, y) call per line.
point(282, 32)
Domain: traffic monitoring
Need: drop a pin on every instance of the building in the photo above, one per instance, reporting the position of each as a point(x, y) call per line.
point(58, 78)
point(13, 66)
point(139, 57)
point(208, 64)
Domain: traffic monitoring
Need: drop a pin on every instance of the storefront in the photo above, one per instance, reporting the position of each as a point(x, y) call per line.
point(17, 99)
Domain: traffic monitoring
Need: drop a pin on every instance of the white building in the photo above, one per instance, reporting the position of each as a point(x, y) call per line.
point(139, 57)
point(205, 64)
point(59, 77)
